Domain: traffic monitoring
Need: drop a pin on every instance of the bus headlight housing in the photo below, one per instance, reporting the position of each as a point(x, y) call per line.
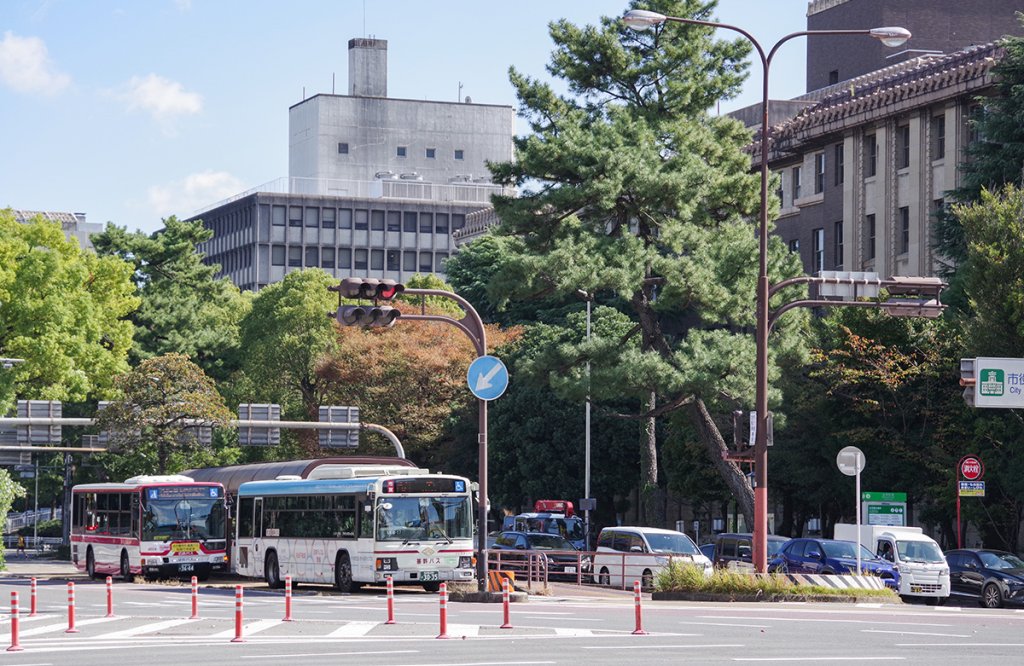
point(386, 564)
point(467, 562)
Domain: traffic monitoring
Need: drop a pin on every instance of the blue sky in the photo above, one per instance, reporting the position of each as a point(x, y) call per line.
point(130, 111)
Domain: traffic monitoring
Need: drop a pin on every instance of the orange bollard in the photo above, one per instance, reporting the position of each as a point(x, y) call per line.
point(110, 597)
point(391, 601)
point(504, 602)
point(15, 645)
point(195, 599)
point(32, 608)
point(238, 615)
point(287, 599)
point(71, 610)
point(444, 612)
point(639, 631)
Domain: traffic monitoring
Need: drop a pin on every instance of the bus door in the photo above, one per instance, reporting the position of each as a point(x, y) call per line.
point(248, 525)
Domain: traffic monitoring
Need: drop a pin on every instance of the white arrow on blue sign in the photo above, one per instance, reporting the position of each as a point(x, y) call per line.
point(487, 377)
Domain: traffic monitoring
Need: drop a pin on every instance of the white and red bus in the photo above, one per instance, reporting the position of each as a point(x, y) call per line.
point(154, 526)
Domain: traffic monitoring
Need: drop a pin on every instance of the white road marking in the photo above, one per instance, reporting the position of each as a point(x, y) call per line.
point(728, 624)
point(912, 633)
point(353, 629)
point(463, 629)
point(661, 647)
point(816, 619)
point(573, 632)
point(823, 658)
point(249, 629)
point(152, 627)
point(50, 628)
point(325, 654)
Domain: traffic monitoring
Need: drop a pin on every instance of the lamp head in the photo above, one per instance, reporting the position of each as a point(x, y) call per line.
point(641, 19)
point(891, 36)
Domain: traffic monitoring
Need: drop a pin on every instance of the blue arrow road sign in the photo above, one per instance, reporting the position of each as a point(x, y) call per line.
point(487, 377)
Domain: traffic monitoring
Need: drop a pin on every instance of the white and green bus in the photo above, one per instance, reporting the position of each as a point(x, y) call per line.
point(416, 528)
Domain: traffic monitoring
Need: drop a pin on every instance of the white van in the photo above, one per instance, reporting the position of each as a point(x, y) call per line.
point(627, 554)
point(923, 569)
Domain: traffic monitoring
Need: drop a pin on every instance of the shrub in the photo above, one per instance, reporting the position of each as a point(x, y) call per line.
point(682, 577)
point(47, 528)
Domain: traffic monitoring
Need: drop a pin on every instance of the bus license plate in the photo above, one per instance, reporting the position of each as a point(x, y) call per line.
point(430, 576)
point(186, 567)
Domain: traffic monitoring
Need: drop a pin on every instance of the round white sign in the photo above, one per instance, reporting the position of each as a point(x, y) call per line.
point(850, 461)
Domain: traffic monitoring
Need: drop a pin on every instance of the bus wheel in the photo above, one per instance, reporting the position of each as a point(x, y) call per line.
point(126, 569)
point(431, 587)
point(343, 574)
point(272, 572)
point(90, 564)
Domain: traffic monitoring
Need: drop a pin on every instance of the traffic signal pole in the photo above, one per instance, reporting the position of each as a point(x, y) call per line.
point(473, 327)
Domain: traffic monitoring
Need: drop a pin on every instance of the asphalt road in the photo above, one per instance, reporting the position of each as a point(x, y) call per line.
point(152, 625)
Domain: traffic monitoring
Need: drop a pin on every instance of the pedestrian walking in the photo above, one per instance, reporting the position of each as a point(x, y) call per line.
point(21, 545)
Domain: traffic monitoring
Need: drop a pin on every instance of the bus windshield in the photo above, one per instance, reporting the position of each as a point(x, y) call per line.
point(183, 518)
point(424, 518)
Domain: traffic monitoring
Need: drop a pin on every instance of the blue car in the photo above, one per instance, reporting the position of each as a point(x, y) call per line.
point(829, 556)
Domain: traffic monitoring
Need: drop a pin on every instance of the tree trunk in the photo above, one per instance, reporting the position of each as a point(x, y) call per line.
point(730, 472)
point(650, 498)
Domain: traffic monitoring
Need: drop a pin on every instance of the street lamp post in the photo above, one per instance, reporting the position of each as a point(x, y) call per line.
point(589, 298)
point(639, 19)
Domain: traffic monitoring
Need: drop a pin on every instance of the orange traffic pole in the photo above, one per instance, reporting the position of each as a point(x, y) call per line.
point(238, 615)
point(504, 602)
point(287, 599)
point(444, 612)
point(15, 645)
point(391, 601)
point(639, 631)
point(32, 608)
point(195, 599)
point(71, 610)
point(110, 597)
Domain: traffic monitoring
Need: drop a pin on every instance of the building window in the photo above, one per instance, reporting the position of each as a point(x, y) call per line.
point(295, 256)
point(327, 257)
point(312, 217)
point(819, 173)
point(277, 255)
point(904, 229)
point(401, 151)
point(903, 146)
point(840, 174)
point(409, 261)
point(818, 254)
point(794, 246)
point(938, 137)
point(796, 183)
point(938, 207)
point(838, 244)
point(344, 257)
point(277, 216)
point(870, 156)
point(459, 154)
point(869, 236)
point(376, 260)
point(426, 262)
point(833, 77)
point(442, 261)
point(409, 222)
point(312, 256)
point(295, 216)
point(345, 218)
point(327, 218)
point(431, 153)
point(360, 260)
point(376, 220)
point(441, 223)
point(343, 149)
point(426, 223)
point(362, 219)
point(974, 115)
point(393, 260)
point(394, 220)
point(458, 221)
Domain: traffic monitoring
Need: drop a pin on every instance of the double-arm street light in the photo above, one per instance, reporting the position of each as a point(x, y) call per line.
point(639, 19)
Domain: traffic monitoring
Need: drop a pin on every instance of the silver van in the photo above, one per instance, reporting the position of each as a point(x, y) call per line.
point(627, 554)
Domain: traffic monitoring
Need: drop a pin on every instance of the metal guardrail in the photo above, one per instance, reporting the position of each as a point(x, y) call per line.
point(35, 544)
point(15, 521)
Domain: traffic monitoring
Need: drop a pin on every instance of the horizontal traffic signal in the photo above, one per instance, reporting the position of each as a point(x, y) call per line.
point(369, 289)
point(379, 316)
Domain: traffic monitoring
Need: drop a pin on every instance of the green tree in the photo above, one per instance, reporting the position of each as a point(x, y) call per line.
point(184, 309)
point(63, 311)
point(9, 491)
point(287, 336)
point(149, 428)
point(630, 188)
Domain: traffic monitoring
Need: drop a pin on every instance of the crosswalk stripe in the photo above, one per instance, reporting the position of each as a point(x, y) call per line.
point(353, 629)
point(50, 628)
point(464, 629)
point(249, 629)
point(572, 632)
point(145, 628)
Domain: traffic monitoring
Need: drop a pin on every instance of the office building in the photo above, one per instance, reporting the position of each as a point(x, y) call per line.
point(73, 224)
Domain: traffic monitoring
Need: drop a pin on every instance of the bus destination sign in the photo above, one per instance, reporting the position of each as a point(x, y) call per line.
point(183, 492)
point(424, 485)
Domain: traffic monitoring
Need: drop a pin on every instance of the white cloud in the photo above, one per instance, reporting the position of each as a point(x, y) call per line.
point(162, 98)
point(197, 190)
point(26, 67)
point(183, 5)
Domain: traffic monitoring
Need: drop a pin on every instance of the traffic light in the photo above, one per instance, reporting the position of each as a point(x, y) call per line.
point(369, 289)
point(379, 316)
point(967, 379)
point(923, 293)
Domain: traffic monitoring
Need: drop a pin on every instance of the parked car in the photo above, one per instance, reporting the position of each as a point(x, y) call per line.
point(627, 554)
point(517, 551)
point(708, 550)
point(993, 577)
point(735, 551)
point(829, 556)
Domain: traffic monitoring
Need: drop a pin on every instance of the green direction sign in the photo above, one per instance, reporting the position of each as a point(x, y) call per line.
point(883, 497)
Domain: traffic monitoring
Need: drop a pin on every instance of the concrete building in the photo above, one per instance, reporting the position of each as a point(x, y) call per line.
point(376, 185)
point(73, 224)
